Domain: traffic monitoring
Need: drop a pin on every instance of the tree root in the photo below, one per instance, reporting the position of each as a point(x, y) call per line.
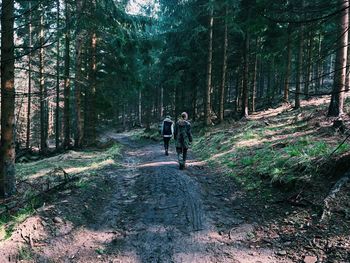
point(331, 196)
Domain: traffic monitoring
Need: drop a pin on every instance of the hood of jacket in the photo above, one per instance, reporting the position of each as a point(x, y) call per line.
point(182, 122)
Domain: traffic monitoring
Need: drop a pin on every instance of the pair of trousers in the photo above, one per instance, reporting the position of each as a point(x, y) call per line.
point(181, 155)
point(166, 142)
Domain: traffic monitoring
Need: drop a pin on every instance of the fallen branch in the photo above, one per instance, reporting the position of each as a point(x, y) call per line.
point(40, 191)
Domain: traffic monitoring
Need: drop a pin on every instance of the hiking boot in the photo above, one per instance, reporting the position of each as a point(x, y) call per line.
point(166, 152)
point(181, 166)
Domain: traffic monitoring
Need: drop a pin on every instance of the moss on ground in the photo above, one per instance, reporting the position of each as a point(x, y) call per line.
point(85, 164)
point(286, 148)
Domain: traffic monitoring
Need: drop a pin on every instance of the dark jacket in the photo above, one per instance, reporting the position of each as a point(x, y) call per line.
point(167, 128)
point(183, 134)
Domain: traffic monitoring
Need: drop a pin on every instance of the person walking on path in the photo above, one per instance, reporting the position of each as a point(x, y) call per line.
point(167, 130)
point(183, 139)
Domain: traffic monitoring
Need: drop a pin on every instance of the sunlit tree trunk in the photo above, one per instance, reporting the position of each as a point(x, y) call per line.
point(7, 153)
point(207, 106)
point(337, 101)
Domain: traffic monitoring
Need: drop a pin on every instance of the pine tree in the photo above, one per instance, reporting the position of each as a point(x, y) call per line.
point(7, 151)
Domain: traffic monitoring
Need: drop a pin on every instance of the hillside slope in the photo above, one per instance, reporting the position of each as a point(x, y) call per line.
point(291, 169)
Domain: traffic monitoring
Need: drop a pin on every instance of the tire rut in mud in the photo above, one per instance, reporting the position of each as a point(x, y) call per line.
point(167, 208)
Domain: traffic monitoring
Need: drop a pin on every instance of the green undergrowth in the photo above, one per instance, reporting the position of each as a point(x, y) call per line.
point(286, 149)
point(144, 135)
point(86, 164)
point(73, 162)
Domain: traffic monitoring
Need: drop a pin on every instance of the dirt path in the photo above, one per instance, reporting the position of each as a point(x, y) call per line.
point(146, 211)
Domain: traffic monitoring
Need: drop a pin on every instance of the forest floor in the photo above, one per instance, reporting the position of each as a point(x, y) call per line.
point(130, 203)
point(142, 210)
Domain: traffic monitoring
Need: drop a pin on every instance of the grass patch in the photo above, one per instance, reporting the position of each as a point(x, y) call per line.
point(9, 222)
point(143, 135)
point(86, 164)
point(25, 253)
point(73, 162)
point(286, 151)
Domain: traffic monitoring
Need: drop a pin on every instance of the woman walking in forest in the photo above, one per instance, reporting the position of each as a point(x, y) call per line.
point(183, 139)
point(167, 131)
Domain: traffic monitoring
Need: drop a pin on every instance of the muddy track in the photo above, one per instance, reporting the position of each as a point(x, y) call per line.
point(151, 212)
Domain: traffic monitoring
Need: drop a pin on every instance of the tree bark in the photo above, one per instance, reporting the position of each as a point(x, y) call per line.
point(78, 79)
point(337, 101)
point(57, 130)
point(42, 91)
point(207, 107)
point(90, 109)
point(66, 112)
point(319, 65)
point(255, 73)
point(299, 69)
point(245, 91)
point(224, 69)
point(7, 153)
point(30, 29)
point(347, 78)
point(288, 69)
point(308, 67)
point(140, 107)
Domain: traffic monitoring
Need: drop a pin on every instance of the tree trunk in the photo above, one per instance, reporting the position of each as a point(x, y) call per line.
point(78, 79)
point(224, 69)
point(7, 153)
point(57, 131)
point(90, 116)
point(337, 101)
point(347, 78)
point(66, 112)
point(308, 68)
point(140, 107)
point(319, 65)
point(288, 69)
point(161, 102)
point(207, 106)
point(255, 73)
point(30, 29)
point(299, 69)
point(270, 82)
point(261, 79)
point(42, 92)
point(245, 91)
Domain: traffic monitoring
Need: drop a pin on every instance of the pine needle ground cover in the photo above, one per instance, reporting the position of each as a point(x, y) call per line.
point(286, 147)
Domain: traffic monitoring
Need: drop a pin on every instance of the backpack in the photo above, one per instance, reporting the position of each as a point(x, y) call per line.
point(167, 128)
